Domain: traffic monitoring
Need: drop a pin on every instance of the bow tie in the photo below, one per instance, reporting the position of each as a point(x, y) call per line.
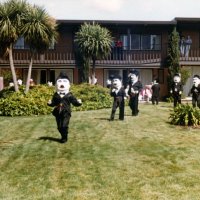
point(62, 93)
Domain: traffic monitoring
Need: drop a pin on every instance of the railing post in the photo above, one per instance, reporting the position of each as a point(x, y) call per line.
point(42, 58)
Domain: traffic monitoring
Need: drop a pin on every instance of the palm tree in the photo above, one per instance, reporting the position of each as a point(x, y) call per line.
point(39, 32)
point(10, 21)
point(94, 42)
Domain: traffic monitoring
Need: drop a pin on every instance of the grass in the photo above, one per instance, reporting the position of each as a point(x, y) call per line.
point(140, 158)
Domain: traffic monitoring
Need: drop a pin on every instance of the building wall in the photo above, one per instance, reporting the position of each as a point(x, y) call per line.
point(99, 76)
point(66, 39)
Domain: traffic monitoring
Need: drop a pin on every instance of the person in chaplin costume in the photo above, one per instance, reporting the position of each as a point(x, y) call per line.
point(133, 89)
point(195, 91)
point(118, 93)
point(155, 91)
point(61, 101)
point(176, 89)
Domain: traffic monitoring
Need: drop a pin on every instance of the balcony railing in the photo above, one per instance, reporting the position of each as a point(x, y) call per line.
point(115, 58)
point(123, 57)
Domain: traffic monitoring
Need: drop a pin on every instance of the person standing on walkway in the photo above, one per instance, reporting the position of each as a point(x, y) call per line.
point(155, 92)
point(176, 89)
point(134, 88)
point(118, 94)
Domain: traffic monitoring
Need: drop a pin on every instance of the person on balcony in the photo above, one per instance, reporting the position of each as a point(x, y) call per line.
point(119, 47)
point(133, 90)
point(188, 43)
point(182, 46)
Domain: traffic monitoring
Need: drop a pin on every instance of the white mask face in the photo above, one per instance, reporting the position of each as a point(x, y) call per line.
point(116, 83)
point(177, 79)
point(196, 81)
point(134, 78)
point(63, 85)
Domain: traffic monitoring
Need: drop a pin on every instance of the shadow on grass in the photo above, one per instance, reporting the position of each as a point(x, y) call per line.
point(49, 138)
point(102, 118)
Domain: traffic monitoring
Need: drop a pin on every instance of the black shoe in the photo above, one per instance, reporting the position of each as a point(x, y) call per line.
point(63, 140)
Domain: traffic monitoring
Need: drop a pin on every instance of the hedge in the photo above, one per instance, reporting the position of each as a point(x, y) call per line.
point(35, 101)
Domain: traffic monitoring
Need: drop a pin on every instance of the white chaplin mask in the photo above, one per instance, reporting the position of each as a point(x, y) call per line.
point(196, 81)
point(62, 85)
point(117, 84)
point(134, 78)
point(177, 79)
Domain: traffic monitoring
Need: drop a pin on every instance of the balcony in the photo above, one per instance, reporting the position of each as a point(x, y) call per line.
point(192, 59)
point(68, 58)
point(146, 58)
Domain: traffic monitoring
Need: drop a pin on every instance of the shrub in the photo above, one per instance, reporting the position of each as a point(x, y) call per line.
point(185, 115)
point(35, 102)
point(93, 96)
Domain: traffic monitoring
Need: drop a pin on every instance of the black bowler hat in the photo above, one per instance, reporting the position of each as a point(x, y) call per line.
point(111, 76)
point(177, 74)
point(134, 71)
point(117, 77)
point(63, 75)
point(196, 76)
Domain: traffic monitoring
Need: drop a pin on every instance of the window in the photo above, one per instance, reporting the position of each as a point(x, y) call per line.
point(124, 39)
point(141, 42)
point(135, 41)
point(20, 44)
point(150, 42)
point(145, 42)
point(114, 72)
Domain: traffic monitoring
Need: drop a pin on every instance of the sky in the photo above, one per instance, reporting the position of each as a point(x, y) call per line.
point(133, 10)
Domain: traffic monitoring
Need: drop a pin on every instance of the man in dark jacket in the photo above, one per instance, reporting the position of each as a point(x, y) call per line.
point(155, 92)
point(134, 88)
point(61, 101)
point(118, 93)
point(195, 91)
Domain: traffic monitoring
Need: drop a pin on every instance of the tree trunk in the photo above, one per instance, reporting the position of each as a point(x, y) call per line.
point(86, 70)
point(13, 69)
point(29, 75)
point(93, 81)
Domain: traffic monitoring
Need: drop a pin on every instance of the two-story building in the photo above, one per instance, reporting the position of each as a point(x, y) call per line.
point(137, 44)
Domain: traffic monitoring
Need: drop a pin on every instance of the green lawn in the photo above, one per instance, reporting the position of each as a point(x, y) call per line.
point(140, 158)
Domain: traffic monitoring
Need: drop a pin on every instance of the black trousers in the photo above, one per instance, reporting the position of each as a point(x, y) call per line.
point(118, 103)
point(62, 125)
point(177, 99)
point(155, 99)
point(133, 104)
point(196, 102)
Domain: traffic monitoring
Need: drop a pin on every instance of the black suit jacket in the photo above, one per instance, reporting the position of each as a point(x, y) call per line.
point(195, 91)
point(63, 104)
point(176, 88)
point(136, 86)
point(119, 95)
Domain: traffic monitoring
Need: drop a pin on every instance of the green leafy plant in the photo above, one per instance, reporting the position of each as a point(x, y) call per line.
point(185, 74)
point(185, 115)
